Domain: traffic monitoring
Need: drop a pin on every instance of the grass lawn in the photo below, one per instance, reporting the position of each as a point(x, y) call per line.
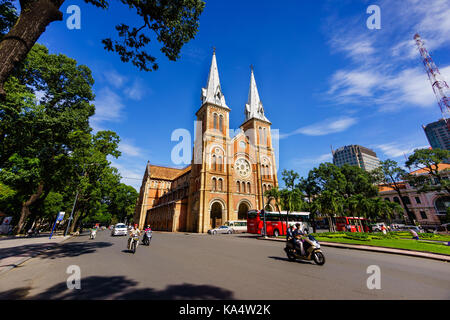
point(393, 243)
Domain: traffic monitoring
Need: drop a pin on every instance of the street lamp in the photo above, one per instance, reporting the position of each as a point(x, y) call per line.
point(75, 202)
point(264, 205)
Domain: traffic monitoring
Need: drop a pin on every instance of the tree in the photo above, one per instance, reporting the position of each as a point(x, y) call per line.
point(37, 137)
point(429, 160)
point(173, 22)
point(394, 176)
point(122, 202)
point(289, 178)
point(331, 203)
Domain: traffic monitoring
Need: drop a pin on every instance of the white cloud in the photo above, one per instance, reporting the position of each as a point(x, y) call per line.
point(129, 149)
point(136, 91)
point(325, 127)
point(385, 71)
point(310, 162)
point(108, 107)
point(395, 150)
point(114, 78)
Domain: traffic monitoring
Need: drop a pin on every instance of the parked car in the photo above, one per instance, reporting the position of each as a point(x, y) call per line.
point(376, 227)
point(221, 229)
point(119, 229)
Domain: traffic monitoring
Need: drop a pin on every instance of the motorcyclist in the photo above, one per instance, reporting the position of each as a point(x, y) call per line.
point(298, 234)
point(147, 229)
point(93, 231)
point(134, 231)
point(290, 234)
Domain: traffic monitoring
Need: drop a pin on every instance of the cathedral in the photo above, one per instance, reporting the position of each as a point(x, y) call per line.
point(227, 176)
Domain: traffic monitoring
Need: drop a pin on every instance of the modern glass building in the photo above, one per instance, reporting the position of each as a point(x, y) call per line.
point(438, 134)
point(356, 155)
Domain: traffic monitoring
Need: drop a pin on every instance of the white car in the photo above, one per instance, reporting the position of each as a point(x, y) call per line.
point(119, 229)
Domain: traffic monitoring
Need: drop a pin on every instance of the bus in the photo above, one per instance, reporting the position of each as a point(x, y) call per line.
point(343, 224)
point(276, 222)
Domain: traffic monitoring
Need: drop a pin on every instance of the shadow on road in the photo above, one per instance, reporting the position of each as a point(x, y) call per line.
point(119, 287)
point(286, 259)
point(53, 250)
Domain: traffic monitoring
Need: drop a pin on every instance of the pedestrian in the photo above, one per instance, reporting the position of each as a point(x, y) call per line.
point(349, 228)
point(383, 229)
point(414, 234)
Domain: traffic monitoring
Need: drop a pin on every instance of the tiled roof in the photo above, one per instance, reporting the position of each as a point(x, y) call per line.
point(441, 166)
point(166, 173)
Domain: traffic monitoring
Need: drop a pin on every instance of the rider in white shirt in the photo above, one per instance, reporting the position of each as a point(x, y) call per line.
point(133, 232)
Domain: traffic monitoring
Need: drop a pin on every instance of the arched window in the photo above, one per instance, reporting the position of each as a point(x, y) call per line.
point(260, 135)
point(214, 184)
point(215, 120)
point(243, 187)
point(220, 184)
point(269, 172)
point(264, 136)
point(396, 199)
point(406, 200)
point(387, 199)
point(219, 159)
point(238, 186)
point(220, 123)
point(248, 188)
point(214, 162)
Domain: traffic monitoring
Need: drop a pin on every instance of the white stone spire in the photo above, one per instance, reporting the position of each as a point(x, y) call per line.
point(213, 92)
point(254, 107)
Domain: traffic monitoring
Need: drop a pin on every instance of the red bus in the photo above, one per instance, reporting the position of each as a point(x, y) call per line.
point(275, 222)
point(355, 223)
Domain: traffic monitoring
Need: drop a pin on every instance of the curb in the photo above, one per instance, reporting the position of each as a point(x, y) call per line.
point(30, 257)
point(405, 252)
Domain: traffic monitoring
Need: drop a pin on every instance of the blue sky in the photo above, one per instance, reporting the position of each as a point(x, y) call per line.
point(324, 78)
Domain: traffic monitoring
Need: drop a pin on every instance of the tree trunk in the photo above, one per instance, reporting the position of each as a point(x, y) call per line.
point(35, 16)
point(25, 207)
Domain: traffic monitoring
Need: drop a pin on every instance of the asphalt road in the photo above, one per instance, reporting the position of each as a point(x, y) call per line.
point(199, 266)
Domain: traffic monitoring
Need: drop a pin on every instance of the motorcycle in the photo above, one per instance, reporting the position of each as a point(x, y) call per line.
point(147, 238)
point(93, 234)
point(133, 243)
point(312, 251)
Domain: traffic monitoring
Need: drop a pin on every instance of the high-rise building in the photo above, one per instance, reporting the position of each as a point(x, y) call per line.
point(356, 155)
point(438, 134)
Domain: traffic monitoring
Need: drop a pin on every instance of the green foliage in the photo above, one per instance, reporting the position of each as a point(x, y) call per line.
point(8, 16)
point(173, 22)
point(429, 160)
point(48, 154)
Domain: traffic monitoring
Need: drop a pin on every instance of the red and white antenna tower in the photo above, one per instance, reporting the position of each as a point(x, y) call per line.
point(440, 87)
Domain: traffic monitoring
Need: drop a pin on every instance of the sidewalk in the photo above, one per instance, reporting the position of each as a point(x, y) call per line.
point(15, 251)
point(420, 254)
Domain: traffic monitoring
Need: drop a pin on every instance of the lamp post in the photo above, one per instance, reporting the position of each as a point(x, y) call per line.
point(75, 202)
point(264, 205)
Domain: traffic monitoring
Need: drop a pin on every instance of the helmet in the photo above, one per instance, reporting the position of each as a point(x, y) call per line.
point(135, 225)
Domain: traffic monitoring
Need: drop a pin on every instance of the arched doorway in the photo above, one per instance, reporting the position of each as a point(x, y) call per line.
point(242, 211)
point(216, 215)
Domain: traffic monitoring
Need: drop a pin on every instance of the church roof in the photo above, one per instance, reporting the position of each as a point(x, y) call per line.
point(254, 107)
point(213, 91)
point(166, 173)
